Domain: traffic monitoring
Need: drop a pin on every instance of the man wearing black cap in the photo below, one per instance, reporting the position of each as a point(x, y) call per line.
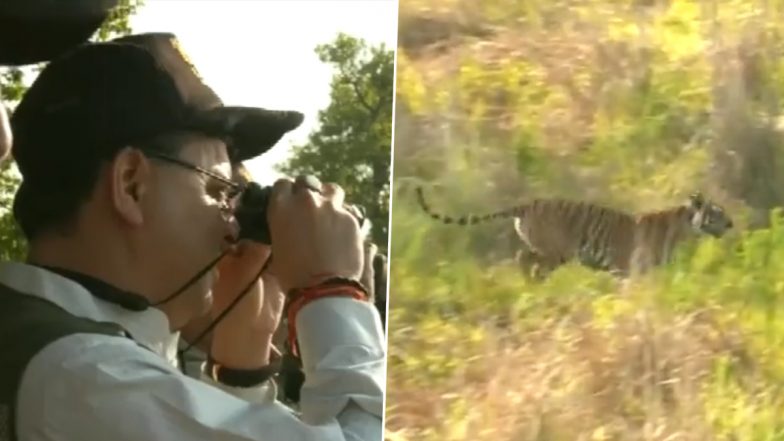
point(126, 196)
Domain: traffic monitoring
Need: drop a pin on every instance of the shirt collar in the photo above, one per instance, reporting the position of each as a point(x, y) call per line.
point(74, 293)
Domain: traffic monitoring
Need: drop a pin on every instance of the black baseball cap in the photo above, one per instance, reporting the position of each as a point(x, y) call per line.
point(100, 97)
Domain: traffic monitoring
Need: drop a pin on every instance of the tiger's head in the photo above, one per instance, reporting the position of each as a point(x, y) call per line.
point(708, 217)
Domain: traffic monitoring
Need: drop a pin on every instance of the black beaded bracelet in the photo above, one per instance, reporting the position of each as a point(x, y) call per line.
point(241, 377)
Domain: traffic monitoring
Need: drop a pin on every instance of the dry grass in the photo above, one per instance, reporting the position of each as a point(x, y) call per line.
point(640, 376)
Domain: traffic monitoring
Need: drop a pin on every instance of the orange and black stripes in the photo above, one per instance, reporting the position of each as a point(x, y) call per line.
point(556, 230)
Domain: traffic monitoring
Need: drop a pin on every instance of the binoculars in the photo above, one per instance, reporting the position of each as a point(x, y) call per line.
point(251, 213)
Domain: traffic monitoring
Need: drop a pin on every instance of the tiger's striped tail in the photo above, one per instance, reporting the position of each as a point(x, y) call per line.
point(469, 219)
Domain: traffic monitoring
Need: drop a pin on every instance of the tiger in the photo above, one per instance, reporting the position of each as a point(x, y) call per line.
point(556, 231)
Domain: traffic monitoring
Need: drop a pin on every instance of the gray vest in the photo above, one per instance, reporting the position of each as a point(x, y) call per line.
point(27, 325)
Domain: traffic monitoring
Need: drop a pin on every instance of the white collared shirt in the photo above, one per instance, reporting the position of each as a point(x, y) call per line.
point(96, 387)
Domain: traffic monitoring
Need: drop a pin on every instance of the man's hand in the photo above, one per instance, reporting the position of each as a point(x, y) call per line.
point(314, 236)
point(242, 340)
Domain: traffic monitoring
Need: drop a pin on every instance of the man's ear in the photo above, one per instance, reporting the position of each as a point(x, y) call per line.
point(130, 177)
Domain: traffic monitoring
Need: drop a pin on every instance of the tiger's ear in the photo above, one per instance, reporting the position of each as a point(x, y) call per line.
point(696, 200)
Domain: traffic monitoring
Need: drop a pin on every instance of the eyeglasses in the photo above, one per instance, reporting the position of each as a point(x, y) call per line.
point(234, 188)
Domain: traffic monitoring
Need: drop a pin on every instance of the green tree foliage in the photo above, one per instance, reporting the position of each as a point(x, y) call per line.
point(352, 145)
point(13, 84)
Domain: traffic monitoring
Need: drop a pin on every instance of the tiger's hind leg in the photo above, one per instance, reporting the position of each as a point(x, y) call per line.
point(527, 261)
point(535, 265)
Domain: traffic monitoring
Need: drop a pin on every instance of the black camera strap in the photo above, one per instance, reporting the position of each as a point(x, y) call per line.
point(193, 279)
point(228, 309)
